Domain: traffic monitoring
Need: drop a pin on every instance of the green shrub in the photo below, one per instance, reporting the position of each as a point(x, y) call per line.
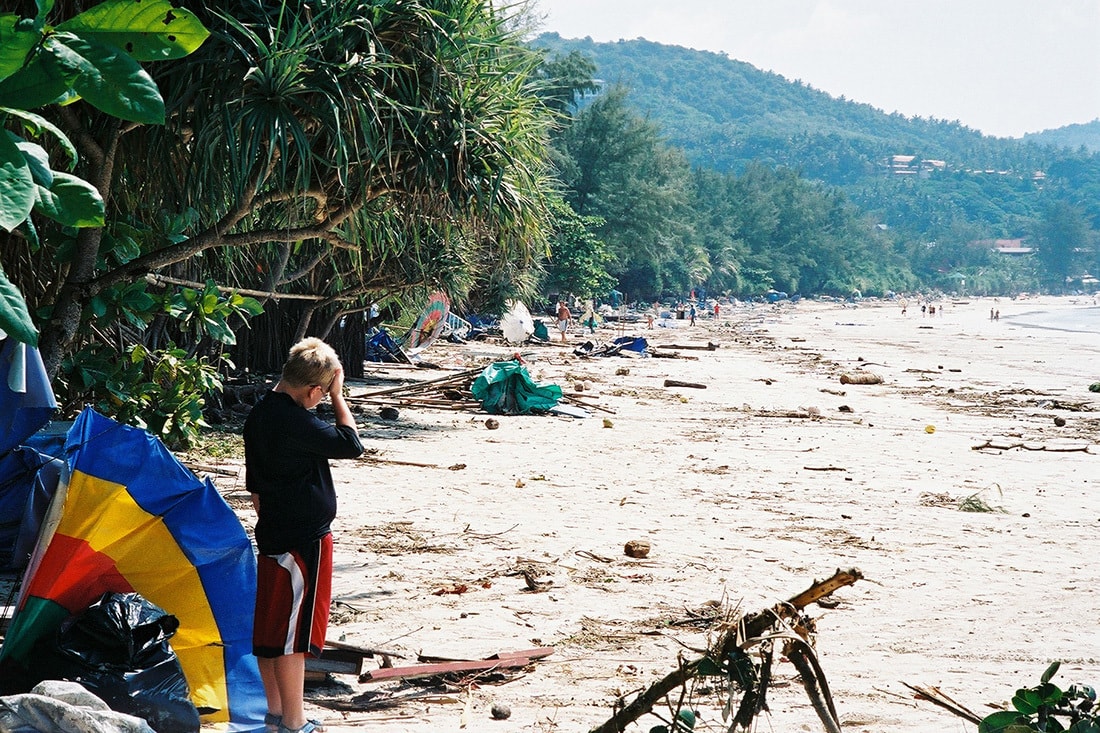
point(1047, 709)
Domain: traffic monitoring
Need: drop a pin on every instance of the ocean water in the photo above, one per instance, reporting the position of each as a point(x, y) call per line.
point(1083, 319)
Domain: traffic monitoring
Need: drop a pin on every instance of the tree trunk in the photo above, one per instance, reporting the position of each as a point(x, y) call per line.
point(60, 333)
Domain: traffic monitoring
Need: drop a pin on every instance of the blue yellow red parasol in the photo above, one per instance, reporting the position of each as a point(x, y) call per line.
point(135, 519)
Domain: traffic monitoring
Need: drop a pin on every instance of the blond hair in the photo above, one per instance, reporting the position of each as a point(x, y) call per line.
point(311, 362)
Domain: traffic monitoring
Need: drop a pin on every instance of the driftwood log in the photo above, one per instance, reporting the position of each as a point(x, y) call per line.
point(749, 631)
point(678, 383)
point(710, 346)
point(990, 445)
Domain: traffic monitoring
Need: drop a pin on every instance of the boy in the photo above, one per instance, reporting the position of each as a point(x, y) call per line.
point(287, 448)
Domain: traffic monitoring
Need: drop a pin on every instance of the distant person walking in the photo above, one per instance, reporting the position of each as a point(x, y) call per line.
point(692, 313)
point(564, 316)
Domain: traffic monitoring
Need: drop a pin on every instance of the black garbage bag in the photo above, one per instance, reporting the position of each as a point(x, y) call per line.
point(118, 649)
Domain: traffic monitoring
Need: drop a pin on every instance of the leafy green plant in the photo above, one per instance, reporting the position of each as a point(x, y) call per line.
point(160, 391)
point(92, 56)
point(1047, 708)
point(206, 313)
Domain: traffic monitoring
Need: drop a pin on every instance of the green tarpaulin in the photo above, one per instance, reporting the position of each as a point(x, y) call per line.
point(505, 388)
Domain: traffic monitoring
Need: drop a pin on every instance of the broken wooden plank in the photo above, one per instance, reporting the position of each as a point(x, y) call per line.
point(420, 671)
point(366, 651)
point(860, 378)
point(335, 661)
point(537, 653)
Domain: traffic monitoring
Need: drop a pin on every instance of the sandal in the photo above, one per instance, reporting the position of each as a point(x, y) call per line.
point(311, 726)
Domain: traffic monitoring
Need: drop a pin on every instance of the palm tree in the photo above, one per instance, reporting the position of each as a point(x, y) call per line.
point(330, 150)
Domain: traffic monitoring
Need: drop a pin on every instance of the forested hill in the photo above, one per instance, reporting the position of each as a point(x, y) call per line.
point(1086, 135)
point(724, 113)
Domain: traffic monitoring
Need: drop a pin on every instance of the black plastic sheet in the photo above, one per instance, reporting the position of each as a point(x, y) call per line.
point(118, 648)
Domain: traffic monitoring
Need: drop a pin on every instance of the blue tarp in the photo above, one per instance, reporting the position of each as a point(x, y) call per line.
point(382, 348)
point(28, 480)
point(26, 398)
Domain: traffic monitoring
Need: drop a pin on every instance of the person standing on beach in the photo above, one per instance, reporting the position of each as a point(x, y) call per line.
point(287, 448)
point(564, 316)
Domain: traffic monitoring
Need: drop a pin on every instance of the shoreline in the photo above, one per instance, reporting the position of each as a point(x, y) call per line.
point(728, 484)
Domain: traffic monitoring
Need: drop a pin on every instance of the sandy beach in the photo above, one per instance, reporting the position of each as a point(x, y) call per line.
point(774, 475)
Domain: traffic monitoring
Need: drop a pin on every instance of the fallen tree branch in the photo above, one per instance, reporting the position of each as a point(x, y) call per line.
point(749, 631)
point(990, 445)
point(805, 661)
point(937, 696)
point(798, 414)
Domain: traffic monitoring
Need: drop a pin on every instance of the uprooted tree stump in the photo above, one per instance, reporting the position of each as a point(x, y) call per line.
point(727, 657)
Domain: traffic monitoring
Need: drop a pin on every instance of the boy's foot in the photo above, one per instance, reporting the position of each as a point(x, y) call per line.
point(311, 726)
point(274, 724)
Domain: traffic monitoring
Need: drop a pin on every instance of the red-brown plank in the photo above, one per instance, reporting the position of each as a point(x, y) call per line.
point(431, 670)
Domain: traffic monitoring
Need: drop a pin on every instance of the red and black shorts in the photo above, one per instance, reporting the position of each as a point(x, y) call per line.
point(293, 594)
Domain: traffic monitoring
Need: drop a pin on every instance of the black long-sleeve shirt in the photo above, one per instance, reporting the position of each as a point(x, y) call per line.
point(287, 448)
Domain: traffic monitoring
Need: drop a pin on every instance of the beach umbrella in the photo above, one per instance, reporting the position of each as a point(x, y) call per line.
point(429, 324)
point(517, 324)
point(134, 519)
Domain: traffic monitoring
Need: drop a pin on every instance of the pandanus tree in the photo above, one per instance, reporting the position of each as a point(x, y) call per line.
point(328, 151)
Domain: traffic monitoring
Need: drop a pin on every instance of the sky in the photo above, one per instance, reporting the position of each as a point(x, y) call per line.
point(1004, 67)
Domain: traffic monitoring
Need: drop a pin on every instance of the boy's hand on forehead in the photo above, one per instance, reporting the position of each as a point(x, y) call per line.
point(337, 385)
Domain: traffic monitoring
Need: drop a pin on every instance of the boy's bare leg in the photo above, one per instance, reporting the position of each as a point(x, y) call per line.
point(289, 672)
point(271, 687)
